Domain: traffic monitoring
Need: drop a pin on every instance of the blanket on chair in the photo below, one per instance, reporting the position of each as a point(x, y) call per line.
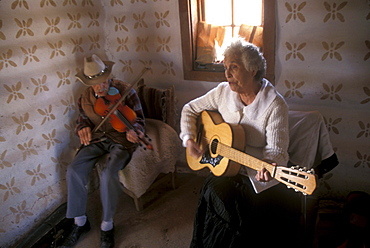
point(146, 165)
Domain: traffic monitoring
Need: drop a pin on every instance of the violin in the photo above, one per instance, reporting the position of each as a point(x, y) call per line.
point(122, 118)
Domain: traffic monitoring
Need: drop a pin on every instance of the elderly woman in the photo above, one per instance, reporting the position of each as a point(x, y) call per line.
point(233, 211)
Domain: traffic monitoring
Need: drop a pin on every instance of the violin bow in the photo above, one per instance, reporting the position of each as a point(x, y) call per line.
point(121, 99)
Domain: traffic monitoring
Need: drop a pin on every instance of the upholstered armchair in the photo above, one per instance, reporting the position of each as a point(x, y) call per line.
point(310, 147)
point(149, 166)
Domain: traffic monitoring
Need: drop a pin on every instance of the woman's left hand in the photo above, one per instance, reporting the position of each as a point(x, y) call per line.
point(264, 175)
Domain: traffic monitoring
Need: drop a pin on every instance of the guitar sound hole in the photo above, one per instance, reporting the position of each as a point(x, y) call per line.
point(208, 157)
point(214, 146)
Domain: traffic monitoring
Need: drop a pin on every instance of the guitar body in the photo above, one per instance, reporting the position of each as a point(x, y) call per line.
point(212, 127)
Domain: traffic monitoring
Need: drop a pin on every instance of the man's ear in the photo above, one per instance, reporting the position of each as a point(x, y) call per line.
point(254, 72)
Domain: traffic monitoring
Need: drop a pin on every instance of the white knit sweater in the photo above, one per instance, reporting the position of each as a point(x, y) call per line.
point(265, 123)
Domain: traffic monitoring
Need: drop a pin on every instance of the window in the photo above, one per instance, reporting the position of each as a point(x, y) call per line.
point(196, 16)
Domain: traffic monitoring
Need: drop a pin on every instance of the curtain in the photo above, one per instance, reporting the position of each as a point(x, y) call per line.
point(207, 36)
point(252, 34)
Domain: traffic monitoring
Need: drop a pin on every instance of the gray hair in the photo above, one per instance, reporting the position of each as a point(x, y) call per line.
point(252, 58)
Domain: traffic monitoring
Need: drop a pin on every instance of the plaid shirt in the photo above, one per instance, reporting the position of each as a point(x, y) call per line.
point(131, 100)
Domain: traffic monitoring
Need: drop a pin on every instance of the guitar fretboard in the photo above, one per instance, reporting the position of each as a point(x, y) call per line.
point(242, 158)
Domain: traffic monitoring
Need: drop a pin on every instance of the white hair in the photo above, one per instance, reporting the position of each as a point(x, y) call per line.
point(252, 58)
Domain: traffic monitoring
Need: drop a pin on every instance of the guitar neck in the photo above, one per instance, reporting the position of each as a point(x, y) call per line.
point(244, 159)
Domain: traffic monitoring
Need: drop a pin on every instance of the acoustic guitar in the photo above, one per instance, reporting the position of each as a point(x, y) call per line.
point(223, 144)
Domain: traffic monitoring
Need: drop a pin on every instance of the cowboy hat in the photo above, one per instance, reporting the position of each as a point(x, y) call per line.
point(95, 70)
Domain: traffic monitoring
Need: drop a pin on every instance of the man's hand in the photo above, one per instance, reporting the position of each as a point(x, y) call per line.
point(85, 135)
point(193, 148)
point(133, 137)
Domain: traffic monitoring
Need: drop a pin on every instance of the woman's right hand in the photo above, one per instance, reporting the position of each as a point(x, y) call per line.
point(193, 148)
point(85, 135)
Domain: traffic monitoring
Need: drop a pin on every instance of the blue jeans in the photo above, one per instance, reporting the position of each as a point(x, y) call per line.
point(79, 171)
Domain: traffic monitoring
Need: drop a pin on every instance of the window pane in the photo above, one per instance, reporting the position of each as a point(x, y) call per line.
point(218, 12)
point(248, 12)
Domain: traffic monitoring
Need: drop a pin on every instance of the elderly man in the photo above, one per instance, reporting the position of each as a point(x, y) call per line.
point(95, 143)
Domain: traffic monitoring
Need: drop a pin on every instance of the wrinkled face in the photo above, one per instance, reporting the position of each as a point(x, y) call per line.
point(236, 74)
point(102, 88)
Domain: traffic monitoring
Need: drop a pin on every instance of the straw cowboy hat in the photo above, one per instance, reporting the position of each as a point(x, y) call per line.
point(95, 70)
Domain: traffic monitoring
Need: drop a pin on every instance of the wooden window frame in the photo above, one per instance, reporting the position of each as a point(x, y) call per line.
point(189, 18)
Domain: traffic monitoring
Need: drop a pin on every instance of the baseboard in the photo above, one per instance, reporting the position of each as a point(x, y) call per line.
point(51, 232)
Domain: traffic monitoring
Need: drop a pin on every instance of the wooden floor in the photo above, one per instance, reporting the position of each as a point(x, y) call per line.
point(167, 218)
point(165, 222)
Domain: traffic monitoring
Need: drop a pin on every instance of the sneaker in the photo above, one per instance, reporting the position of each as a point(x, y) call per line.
point(75, 234)
point(107, 239)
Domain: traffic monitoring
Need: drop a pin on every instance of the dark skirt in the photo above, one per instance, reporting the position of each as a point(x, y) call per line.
point(231, 214)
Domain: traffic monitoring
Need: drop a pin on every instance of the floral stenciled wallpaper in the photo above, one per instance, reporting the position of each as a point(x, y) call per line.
point(322, 63)
point(43, 44)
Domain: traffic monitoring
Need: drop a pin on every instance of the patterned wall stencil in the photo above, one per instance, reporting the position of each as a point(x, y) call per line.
point(323, 50)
